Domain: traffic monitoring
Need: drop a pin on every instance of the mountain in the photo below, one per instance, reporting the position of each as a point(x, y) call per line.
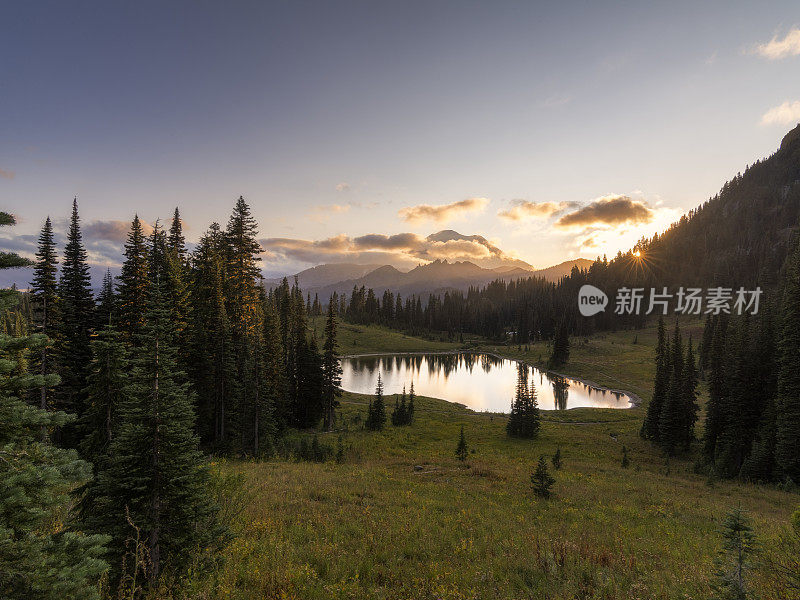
point(497, 259)
point(439, 276)
point(741, 236)
point(327, 274)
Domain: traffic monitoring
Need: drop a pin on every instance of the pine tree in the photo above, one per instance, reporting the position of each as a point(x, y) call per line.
point(106, 392)
point(331, 369)
point(44, 293)
point(11, 260)
point(650, 427)
point(787, 447)
point(106, 301)
point(717, 390)
point(76, 323)
point(410, 406)
point(400, 412)
point(670, 432)
point(560, 353)
point(175, 241)
point(155, 479)
point(689, 408)
point(556, 460)
point(524, 420)
point(376, 414)
point(541, 480)
point(133, 281)
point(733, 562)
point(461, 450)
point(38, 557)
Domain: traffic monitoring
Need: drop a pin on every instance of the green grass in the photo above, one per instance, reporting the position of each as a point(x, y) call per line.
point(402, 518)
point(363, 339)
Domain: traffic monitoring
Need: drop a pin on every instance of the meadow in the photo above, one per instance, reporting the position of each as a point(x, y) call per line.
point(401, 517)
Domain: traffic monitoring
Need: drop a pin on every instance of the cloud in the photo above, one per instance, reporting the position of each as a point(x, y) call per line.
point(608, 210)
point(523, 209)
point(777, 49)
point(787, 113)
point(442, 212)
point(342, 187)
point(112, 231)
point(323, 212)
point(6, 174)
point(401, 249)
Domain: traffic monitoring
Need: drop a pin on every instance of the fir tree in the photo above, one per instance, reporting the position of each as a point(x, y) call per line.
point(44, 293)
point(410, 407)
point(560, 353)
point(155, 479)
point(133, 282)
point(689, 406)
point(717, 389)
point(650, 427)
point(669, 424)
point(400, 412)
point(106, 392)
point(77, 320)
point(524, 420)
point(38, 557)
point(461, 450)
point(556, 460)
point(175, 240)
point(376, 413)
point(106, 301)
point(331, 369)
point(733, 562)
point(541, 480)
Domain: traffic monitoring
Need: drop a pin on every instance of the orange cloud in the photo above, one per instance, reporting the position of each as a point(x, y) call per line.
point(608, 210)
point(523, 209)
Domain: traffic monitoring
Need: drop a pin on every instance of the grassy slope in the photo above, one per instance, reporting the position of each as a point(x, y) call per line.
point(377, 528)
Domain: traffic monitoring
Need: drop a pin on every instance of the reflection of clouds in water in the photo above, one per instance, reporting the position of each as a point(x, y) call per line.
point(453, 376)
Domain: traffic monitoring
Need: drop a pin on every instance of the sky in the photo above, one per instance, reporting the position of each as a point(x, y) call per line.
point(355, 130)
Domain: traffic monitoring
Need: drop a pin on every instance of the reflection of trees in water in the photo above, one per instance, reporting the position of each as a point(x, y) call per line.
point(560, 392)
point(488, 362)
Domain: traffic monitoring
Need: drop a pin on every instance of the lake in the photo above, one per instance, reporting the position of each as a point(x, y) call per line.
point(482, 382)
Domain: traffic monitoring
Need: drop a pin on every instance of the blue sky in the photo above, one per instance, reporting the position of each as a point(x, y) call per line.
point(336, 119)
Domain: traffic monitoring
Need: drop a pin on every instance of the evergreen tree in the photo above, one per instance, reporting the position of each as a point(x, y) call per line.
point(650, 427)
point(175, 241)
point(689, 406)
point(400, 412)
point(787, 446)
point(556, 460)
point(77, 320)
point(560, 353)
point(155, 480)
point(410, 406)
point(331, 369)
point(44, 293)
point(717, 389)
point(38, 557)
point(524, 420)
point(133, 281)
point(669, 423)
point(105, 301)
point(376, 413)
point(106, 392)
point(461, 450)
point(211, 356)
point(733, 562)
point(541, 480)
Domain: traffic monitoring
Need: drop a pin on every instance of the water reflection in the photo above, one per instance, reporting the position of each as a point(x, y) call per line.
point(482, 382)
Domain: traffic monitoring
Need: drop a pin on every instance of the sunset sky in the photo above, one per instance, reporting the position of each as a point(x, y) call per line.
point(356, 129)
